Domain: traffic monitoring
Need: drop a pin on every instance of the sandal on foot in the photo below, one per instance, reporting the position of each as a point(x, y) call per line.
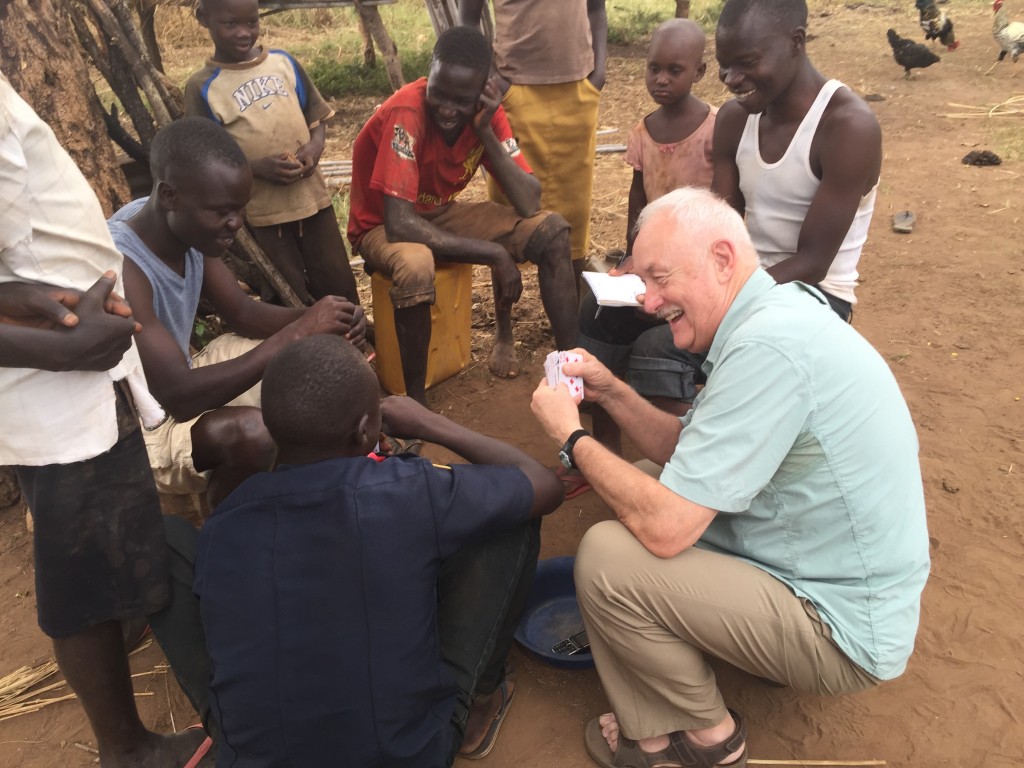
point(574, 483)
point(484, 747)
point(680, 751)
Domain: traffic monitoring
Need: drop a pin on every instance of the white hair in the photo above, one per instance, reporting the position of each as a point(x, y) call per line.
point(701, 217)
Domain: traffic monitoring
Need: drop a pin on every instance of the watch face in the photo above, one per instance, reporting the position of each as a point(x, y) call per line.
point(565, 459)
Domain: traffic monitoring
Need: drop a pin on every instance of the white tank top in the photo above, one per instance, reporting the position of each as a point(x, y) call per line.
point(778, 195)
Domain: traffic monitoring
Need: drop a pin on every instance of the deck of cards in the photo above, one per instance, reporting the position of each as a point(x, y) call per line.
point(553, 369)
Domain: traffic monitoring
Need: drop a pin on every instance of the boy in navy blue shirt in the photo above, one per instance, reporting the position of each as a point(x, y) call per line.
point(360, 612)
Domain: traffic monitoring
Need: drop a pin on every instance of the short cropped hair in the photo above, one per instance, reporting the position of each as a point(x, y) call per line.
point(787, 13)
point(315, 391)
point(704, 217)
point(463, 47)
point(190, 143)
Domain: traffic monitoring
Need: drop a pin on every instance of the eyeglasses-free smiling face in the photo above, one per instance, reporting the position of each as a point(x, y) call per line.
point(234, 27)
point(680, 282)
point(453, 97)
point(207, 206)
point(758, 59)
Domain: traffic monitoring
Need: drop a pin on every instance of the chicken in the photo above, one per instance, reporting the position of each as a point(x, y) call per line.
point(908, 54)
point(1009, 34)
point(936, 25)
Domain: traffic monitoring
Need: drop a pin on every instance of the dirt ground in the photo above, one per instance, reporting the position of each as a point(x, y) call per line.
point(943, 306)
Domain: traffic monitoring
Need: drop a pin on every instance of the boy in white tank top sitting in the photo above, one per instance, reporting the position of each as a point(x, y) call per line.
point(797, 154)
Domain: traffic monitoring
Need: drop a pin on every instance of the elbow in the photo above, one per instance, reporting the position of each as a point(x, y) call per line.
point(665, 542)
point(177, 405)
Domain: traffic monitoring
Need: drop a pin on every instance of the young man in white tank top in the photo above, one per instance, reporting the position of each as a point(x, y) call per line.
point(797, 154)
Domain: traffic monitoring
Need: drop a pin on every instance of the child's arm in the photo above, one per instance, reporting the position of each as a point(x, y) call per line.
point(521, 188)
point(637, 201)
point(404, 417)
point(309, 153)
point(278, 169)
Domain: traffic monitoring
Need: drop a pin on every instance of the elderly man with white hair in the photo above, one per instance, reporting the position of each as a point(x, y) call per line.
point(779, 525)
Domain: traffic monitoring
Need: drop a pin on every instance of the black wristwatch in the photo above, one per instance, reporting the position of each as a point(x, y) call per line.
point(565, 454)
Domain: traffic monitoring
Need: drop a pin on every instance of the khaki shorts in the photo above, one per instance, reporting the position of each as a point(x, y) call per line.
point(170, 445)
point(410, 266)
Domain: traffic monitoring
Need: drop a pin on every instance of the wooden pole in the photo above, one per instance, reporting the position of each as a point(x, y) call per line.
point(371, 17)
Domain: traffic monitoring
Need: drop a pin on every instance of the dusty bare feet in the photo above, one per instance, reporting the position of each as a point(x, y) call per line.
point(504, 362)
point(482, 714)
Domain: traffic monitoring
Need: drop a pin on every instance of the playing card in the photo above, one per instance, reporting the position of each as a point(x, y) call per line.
point(574, 383)
point(551, 369)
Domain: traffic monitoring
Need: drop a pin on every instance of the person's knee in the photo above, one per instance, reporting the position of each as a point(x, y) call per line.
point(233, 436)
point(549, 242)
point(599, 550)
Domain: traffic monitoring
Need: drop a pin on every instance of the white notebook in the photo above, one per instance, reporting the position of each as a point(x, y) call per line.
point(615, 290)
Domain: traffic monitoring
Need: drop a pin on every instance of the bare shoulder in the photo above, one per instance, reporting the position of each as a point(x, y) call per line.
point(849, 115)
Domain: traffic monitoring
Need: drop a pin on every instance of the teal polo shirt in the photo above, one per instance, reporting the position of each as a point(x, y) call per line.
point(802, 442)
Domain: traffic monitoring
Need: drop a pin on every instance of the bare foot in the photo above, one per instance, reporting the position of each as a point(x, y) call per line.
point(482, 713)
point(504, 362)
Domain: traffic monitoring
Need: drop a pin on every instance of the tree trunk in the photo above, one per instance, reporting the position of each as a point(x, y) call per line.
point(371, 18)
point(39, 57)
point(682, 9)
point(369, 55)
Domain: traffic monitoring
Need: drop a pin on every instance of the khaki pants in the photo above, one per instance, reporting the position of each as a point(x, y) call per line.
point(410, 266)
point(170, 445)
point(651, 620)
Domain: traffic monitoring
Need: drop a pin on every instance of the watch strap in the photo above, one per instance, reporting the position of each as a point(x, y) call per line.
point(570, 443)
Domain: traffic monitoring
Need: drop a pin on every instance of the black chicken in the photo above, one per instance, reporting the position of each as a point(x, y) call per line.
point(908, 54)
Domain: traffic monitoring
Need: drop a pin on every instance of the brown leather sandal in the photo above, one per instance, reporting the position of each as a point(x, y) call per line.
point(680, 751)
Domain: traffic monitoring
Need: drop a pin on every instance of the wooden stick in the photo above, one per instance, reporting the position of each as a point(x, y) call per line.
point(816, 762)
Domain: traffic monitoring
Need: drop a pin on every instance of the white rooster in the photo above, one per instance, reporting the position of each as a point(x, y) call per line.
point(1009, 34)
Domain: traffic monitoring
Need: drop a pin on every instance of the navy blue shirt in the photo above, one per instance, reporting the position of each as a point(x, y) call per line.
point(318, 592)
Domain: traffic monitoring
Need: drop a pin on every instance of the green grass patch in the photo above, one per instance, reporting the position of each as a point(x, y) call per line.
point(336, 78)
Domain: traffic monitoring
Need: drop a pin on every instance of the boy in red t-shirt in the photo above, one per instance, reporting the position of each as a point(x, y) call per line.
point(413, 157)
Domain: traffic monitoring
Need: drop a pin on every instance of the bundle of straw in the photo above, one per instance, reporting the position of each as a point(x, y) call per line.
point(1008, 108)
point(19, 695)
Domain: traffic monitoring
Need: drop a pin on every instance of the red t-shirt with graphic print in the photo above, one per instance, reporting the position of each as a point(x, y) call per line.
point(400, 152)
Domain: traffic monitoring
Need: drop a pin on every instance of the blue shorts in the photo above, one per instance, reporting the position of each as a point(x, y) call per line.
point(640, 352)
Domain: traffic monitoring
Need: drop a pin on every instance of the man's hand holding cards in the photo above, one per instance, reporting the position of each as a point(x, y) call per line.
point(553, 369)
